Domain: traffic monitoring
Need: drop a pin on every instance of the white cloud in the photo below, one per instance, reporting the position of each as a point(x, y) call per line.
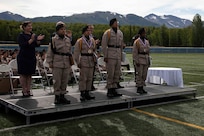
point(36, 8)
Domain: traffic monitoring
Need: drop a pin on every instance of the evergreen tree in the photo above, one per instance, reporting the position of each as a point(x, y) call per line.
point(197, 31)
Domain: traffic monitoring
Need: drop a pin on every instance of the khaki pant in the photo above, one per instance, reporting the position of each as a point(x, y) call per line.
point(85, 79)
point(141, 74)
point(60, 80)
point(113, 72)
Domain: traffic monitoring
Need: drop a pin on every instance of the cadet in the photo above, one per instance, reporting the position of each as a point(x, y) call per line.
point(85, 59)
point(112, 45)
point(132, 43)
point(91, 28)
point(60, 60)
point(141, 48)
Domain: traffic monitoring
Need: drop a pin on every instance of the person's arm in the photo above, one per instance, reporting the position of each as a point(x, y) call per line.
point(122, 47)
point(104, 44)
point(32, 39)
point(50, 56)
point(135, 52)
point(39, 39)
point(32, 42)
point(95, 51)
point(77, 52)
point(23, 42)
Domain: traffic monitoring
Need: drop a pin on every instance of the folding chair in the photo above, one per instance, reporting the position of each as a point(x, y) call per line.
point(38, 76)
point(14, 67)
point(5, 69)
point(76, 73)
point(101, 67)
point(127, 72)
point(13, 71)
point(48, 75)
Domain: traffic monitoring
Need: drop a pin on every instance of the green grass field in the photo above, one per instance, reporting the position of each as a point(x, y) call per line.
point(181, 119)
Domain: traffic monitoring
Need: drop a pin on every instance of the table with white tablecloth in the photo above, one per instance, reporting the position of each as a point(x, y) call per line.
point(171, 76)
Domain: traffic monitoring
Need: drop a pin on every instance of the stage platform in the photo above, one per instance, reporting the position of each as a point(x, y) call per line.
point(41, 107)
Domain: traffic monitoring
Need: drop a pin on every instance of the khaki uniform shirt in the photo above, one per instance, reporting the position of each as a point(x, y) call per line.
point(85, 47)
point(141, 52)
point(62, 46)
point(113, 39)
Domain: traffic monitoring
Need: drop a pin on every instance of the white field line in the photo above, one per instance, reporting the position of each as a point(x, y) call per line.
point(183, 64)
point(195, 74)
point(195, 84)
point(200, 97)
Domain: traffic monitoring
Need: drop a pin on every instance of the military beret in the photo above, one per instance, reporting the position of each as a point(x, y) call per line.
point(59, 25)
point(141, 30)
point(84, 29)
point(112, 21)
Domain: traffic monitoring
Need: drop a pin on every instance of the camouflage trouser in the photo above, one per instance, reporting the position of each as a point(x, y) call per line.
point(113, 72)
point(85, 79)
point(141, 74)
point(60, 80)
point(134, 64)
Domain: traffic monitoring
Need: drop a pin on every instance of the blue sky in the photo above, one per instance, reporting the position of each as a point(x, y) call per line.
point(35, 8)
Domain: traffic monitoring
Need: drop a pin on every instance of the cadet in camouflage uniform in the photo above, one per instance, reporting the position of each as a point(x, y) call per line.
point(112, 45)
point(141, 48)
point(91, 27)
point(85, 59)
point(58, 58)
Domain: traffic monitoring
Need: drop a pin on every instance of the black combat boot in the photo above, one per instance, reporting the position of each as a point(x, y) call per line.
point(63, 100)
point(143, 91)
point(119, 86)
point(93, 88)
point(57, 99)
point(110, 93)
point(88, 96)
point(82, 96)
point(139, 90)
point(116, 94)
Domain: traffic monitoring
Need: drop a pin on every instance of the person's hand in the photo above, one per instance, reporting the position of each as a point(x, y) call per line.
point(97, 41)
point(33, 37)
point(51, 65)
point(106, 60)
point(40, 37)
point(69, 34)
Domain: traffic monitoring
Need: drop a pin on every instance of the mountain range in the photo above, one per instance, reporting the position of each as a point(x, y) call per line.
point(100, 17)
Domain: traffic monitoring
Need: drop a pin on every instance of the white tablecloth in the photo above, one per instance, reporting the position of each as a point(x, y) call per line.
point(171, 76)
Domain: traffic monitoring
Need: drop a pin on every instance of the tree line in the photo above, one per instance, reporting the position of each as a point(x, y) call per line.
point(191, 36)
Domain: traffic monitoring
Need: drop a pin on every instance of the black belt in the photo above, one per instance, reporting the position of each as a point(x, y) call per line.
point(143, 53)
point(63, 54)
point(113, 46)
point(87, 54)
